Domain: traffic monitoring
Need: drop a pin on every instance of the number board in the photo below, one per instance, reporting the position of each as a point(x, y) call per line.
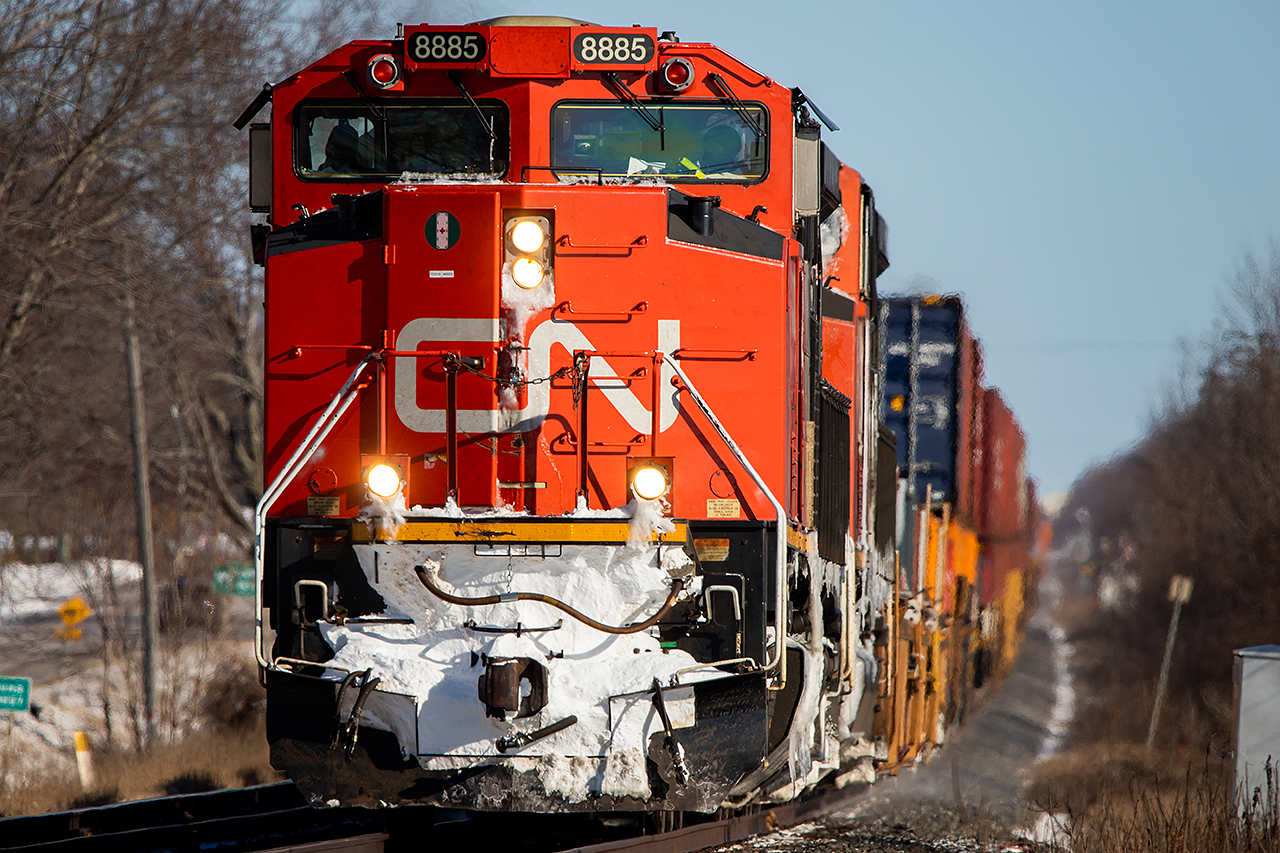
point(632, 49)
point(589, 49)
point(446, 48)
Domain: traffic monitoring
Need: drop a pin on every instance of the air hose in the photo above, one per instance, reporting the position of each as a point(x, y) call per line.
point(676, 587)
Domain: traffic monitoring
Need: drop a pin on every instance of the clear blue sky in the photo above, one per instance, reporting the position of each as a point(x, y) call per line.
point(1086, 174)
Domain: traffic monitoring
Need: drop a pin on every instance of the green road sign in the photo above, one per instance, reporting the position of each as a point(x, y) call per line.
point(234, 579)
point(15, 694)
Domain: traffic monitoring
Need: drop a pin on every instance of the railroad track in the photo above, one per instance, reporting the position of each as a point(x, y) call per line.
point(267, 815)
point(276, 818)
point(714, 833)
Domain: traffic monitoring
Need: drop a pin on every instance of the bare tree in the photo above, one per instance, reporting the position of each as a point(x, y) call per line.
point(1200, 497)
point(120, 172)
point(121, 176)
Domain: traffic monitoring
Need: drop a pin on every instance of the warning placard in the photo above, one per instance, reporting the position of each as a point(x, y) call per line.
point(711, 550)
point(723, 508)
point(324, 505)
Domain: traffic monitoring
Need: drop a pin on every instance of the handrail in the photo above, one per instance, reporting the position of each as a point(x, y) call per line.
point(781, 602)
point(296, 350)
point(582, 389)
point(638, 243)
point(715, 354)
point(318, 433)
point(566, 307)
point(567, 438)
point(674, 680)
point(328, 664)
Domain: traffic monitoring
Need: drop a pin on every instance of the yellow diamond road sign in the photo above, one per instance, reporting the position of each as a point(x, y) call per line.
point(74, 611)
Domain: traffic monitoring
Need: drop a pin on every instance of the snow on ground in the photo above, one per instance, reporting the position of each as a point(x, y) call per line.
point(76, 686)
point(1064, 695)
point(28, 590)
point(1063, 709)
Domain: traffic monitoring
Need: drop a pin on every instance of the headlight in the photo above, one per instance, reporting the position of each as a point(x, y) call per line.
point(528, 236)
point(527, 273)
point(383, 480)
point(649, 482)
point(527, 239)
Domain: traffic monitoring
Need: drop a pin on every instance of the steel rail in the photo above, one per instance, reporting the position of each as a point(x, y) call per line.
point(254, 818)
point(766, 820)
point(276, 816)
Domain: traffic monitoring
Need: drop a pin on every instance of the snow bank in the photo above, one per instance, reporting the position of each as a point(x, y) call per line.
point(28, 590)
point(1050, 829)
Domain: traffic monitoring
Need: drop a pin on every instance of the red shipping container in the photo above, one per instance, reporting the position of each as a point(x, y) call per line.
point(978, 490)
point(968, 425)
point(1002, 515)
point(996, 563)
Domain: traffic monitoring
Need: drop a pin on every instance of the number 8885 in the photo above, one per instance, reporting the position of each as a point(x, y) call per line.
point(613, 49)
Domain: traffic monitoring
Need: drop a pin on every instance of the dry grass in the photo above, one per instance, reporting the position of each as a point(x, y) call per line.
point(228, 751)
point(1117, 798)
point(202, 762)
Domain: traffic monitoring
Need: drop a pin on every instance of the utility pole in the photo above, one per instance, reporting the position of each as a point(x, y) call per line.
point(141, 468)
point(1179, 594)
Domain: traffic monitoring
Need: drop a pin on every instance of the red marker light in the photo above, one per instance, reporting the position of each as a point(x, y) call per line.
point(677, 73)
point(383, 71)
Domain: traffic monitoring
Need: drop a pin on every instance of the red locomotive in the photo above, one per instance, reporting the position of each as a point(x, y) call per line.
point(572, 426)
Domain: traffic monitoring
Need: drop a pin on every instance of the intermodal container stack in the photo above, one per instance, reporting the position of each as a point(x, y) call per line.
point(932, 374)
point(967, 524)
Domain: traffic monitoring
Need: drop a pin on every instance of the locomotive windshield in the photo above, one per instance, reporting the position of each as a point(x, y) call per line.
point(341, 141)
point(682, 142)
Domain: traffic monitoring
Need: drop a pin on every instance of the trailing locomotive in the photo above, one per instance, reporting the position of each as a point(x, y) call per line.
point(577, 495)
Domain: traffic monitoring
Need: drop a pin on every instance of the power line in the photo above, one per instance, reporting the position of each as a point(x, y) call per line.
point(1061, 347)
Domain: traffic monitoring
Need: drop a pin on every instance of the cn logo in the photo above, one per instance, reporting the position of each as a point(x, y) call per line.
point(433, 331)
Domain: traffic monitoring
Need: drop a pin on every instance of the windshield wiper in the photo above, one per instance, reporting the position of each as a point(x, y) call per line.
point(368, 102)
point(629, 98)
point(373, 108)
point(486, 123)
point(727, 95)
